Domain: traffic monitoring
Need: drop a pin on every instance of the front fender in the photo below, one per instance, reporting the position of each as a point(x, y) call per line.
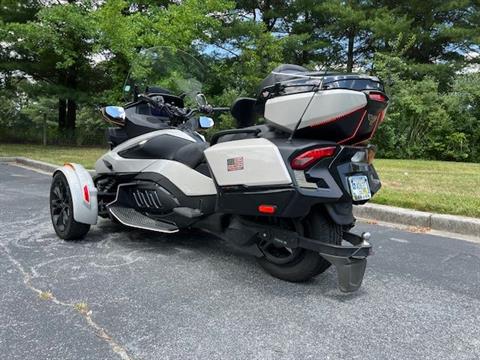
point(79, 181)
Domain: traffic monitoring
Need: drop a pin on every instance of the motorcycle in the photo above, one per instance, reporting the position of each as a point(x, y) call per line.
point(281, 191)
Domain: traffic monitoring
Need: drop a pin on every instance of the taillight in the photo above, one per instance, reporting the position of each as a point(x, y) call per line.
point(377, 97)
point(304, 160)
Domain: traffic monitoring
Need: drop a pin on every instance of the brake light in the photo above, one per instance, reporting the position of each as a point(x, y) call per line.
point(304, 160)
point(86, 194)
point(378, 97)
point(267, 209)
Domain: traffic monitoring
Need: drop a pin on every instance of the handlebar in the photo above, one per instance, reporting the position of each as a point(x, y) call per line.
point(176, 111)
point(221, 109)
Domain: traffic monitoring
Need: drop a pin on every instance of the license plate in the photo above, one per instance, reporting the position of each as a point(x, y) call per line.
point(359, 187)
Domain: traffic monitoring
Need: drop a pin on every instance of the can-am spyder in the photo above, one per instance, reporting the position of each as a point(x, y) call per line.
point(281, 191)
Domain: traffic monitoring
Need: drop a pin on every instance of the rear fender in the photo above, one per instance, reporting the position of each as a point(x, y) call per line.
point(81, 184)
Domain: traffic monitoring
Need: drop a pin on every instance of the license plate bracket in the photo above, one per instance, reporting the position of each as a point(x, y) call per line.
point(359, 187)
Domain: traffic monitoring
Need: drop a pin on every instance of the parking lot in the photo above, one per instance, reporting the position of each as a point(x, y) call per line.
point(133, 294)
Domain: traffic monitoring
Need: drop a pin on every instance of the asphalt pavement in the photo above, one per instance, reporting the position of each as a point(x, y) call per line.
point(131, 294)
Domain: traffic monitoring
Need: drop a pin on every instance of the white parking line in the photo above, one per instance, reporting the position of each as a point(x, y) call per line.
point(400, 240)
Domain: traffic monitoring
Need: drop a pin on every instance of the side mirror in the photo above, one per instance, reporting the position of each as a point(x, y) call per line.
point(205, 122)
point(115, 113)
point(201, 100)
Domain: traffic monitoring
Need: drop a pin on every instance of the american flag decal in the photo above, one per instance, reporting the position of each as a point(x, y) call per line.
point(235, 164)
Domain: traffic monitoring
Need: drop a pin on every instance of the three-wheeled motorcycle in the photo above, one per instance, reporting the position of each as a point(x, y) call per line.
point(279, 187)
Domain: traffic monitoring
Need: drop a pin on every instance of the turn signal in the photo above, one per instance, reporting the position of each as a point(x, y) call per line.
point(86, 194)
point(267, 209)
point(304, 160)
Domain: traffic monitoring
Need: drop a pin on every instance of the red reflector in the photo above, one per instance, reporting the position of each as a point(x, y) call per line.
point(304, 160)
point(86, 194)
point(267, 209)
point(377, 97)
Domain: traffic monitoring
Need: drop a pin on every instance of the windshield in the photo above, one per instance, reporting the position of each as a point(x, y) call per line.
point(165, 70)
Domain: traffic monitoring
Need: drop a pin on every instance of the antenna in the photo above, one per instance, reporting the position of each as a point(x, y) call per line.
point(315, 90)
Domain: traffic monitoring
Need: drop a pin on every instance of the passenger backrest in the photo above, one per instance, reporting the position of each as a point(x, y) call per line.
point(243, 110)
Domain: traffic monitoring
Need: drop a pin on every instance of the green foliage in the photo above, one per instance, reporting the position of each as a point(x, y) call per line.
point(65, 59)
point(422, 121)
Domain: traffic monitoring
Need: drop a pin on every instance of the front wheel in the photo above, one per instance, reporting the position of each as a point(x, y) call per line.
point(297, 265)
point(61, 210)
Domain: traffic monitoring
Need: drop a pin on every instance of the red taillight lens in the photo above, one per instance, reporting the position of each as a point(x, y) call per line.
point(378, 97)
point(86, 194)
point(304, 160)
point(267, 209)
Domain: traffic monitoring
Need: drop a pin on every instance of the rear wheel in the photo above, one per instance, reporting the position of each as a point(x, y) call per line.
point(61, 210)
point(298, 264)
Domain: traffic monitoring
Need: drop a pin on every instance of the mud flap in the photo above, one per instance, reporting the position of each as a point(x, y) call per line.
point(350, 271)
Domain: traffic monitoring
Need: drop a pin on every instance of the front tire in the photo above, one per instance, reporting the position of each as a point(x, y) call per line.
point(61, 210)
point(298, 265)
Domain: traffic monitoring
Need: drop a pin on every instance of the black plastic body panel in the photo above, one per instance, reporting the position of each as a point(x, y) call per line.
point(163, 146)
point(115, 136)
point(206, 203)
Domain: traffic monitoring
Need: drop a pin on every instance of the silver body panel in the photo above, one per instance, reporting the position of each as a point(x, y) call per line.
point(254, 162)
point(325, 106)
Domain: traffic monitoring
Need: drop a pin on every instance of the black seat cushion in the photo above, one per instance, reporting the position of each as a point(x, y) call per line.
point(191, 154)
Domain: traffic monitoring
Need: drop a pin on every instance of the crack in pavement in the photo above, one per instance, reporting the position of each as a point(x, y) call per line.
point(87, 314)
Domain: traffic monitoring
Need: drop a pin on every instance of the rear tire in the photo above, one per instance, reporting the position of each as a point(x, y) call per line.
point(61, 210)
point(303, 264)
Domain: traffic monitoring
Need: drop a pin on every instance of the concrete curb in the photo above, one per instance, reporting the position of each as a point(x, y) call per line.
point(40, 165)
point(449, 223)
point(35, 164)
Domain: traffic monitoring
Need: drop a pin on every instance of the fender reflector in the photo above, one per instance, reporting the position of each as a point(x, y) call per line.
point(86, 194)
point(267, 209)
point(304, 160)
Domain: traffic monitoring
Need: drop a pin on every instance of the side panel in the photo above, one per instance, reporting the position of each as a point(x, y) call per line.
point(112, 162)
point(77, 177)
point(327, 105)
point(189, 181)
point(138, 139)
point(249, 162)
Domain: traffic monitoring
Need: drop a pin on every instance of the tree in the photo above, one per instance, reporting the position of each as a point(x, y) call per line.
point(55, 50)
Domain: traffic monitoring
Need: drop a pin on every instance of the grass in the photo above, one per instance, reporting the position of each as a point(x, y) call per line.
point(437, 186)
point(58, 155)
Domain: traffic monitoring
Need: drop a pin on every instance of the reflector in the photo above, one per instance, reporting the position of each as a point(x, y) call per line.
point(86, 194)
point(267, 209)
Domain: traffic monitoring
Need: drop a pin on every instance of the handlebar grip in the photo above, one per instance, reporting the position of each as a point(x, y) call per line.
point(221, 109)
